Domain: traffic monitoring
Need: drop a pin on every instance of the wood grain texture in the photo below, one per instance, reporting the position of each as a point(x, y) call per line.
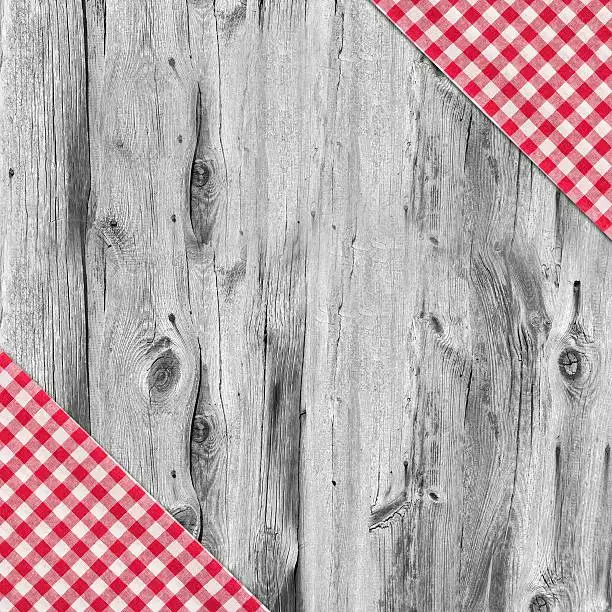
point(143, 260)
point(454, 458)
point(44, 178)
point(334, 320)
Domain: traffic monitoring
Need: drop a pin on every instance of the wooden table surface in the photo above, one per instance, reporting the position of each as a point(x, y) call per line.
point(308, 295)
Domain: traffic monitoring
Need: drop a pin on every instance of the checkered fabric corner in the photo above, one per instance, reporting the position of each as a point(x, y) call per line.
point(541, 70)
point(78, 533)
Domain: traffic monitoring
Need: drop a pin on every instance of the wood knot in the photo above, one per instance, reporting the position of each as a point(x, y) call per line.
point(11, 172)
point(539, 604)
point(436, 325)
point(188, 518)
point(164, 373)
point(207, 434)
point(201, 429)
point(570, 364)
point(201, 173)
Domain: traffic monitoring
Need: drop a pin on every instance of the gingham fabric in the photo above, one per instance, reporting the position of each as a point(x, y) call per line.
point(78, 533)
point(541, 70)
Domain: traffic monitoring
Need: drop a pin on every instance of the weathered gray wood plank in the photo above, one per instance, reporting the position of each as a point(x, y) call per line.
point(44, 176)
point(450, 462)
point(260, 255)
point(144, 263)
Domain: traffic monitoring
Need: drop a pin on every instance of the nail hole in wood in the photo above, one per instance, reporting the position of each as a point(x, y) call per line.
point(11, 172)
point(334, 483)
point(434, 496)
point(173, 473)
point(171, 318)
point(180, 138)
point(173, 218)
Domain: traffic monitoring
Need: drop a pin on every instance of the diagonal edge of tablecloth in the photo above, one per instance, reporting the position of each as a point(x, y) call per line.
point(70, 512)
point(601, 218)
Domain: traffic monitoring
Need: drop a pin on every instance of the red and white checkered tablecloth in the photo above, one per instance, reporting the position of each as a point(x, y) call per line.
point(541, 70)
point(78, 533)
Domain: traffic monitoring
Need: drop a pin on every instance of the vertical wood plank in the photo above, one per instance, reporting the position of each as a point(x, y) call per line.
point(44, 182)
point(220, 211)
point(144, 262)
point(443, 438)
point(207, 204)
point(247, 191)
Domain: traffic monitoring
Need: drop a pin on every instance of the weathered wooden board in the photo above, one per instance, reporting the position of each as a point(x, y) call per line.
point(457, 369)
point(44, 178)
point(335, 321)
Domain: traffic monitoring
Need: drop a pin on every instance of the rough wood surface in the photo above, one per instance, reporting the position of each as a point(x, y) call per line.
point(334, 320)
point(44, 178)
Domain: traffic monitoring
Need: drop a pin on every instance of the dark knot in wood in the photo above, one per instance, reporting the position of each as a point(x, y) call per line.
point(436, 325)
point(11, 172)
point(201, 173)
point(201, 429)
point(570, 364)
point(539, 604)
point(164, 372)
point(188, 518)
point(208, 436)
